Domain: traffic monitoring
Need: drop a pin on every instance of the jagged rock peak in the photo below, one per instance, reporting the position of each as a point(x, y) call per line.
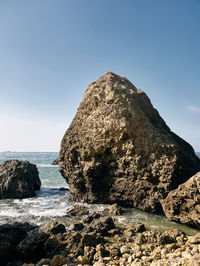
point(119, 149)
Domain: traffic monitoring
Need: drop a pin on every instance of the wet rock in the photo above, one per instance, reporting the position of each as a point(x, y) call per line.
point(77, 210)
point(18, 179)
point(55, 162)
point(119, 150)
point(116, 209)
point(183, 204)
point(63, 189)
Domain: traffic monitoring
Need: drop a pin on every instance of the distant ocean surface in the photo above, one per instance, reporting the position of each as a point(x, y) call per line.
point(52, 203)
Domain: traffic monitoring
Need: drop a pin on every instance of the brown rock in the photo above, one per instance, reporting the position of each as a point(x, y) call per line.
point(77, 210)
point(53, 227)
point(119, 150)
point(18, 179)
point(183, 204)
point(58, 260)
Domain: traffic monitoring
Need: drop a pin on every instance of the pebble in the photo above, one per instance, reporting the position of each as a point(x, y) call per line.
point(125, 249)
point(99, 264)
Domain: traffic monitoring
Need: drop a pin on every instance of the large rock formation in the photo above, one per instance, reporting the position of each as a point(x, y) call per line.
point(18, 179)
point(119, 149)
point(183, 204)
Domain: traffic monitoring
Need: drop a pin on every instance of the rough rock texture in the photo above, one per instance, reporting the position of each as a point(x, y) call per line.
point(18, 179)
point(119, 149)
point(183, 204)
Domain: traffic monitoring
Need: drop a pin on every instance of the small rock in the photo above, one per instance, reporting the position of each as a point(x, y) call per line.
point(82, 260)
point(58, 260)
point(99, 264)
point(125, 249)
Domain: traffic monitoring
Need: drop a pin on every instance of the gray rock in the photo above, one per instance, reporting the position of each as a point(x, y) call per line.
point(119, 150)
point(18, 179)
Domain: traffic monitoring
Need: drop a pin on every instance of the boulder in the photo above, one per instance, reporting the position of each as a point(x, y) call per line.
point(18, 179)
point(183, 204)
point(119, 150)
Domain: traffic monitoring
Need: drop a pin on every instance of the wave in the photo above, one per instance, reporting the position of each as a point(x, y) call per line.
point(46, 165)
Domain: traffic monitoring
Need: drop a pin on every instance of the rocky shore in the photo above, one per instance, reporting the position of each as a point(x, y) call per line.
point(95, 239)
point(117, 150)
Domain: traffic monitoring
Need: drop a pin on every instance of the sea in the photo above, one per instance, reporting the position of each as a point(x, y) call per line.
point(52, 200)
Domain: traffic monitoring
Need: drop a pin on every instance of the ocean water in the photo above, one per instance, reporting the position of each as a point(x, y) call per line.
point(52, 203)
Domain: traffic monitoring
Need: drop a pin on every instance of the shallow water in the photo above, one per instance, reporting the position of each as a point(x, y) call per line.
point(52, 203)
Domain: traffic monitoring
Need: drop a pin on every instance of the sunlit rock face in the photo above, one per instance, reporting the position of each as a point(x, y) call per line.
point(119, 149)
point(183, 204)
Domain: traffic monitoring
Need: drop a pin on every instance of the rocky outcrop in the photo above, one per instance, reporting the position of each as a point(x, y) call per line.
point(101, 242)
point(18, 179)
point(119, 149)
point(183, 204)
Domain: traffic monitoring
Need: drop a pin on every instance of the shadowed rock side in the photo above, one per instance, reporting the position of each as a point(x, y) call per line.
point(18, 179)
point(183, 204)
point(119, 149)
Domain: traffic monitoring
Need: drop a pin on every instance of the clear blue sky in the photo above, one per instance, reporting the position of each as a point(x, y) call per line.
point(51, 50)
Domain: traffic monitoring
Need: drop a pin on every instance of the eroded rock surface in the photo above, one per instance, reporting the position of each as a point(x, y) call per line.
point(18, 179)
point(119, 149)
point(183, 204)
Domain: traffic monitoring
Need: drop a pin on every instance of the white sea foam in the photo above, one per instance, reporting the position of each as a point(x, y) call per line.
point(9, 213)
point(47, 213)
point(46, 165)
